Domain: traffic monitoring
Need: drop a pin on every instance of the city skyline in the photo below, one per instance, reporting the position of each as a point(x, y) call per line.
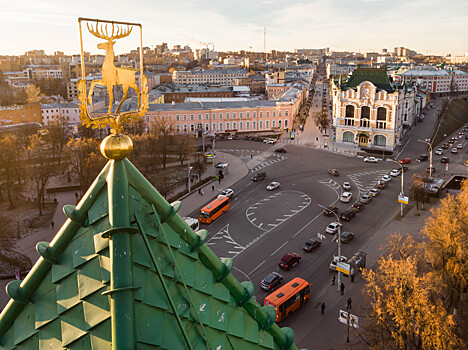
point(363, 25)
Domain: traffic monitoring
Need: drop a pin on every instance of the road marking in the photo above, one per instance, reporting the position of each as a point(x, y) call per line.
point(242, 272)
point(255, 269)
point(272, 225)
point(276, 251)
point(307, 225)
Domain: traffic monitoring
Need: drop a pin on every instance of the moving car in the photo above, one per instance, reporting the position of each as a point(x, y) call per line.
point(347, 215)
point(444, 160)
point(346, 197)
point(289, 260)
point(271, 141)
point(332, 228)
point(271, 281)
point(358, 206)
point(428, 170)
point(454, 150)
point(405, 161)
point(346, 237)
point(374, 192)
point(280, 150)
point(386, 178)
point(311, 245)
point(381, 184)
point(334, 172)
point(371, 160)
point(346, 186)
point(365, 199)
point(328, 211)
point(422, 158)
point(395, 172)
point(228, 192)
point(273, 186)
point(447, 145)
point(335, 260)
point(439, 151)
point(459, 146)
point(259, 176)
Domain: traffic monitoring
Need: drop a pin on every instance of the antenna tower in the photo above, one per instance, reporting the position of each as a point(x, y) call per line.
point(264, 41)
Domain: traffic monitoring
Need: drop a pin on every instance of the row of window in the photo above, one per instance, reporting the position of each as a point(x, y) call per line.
point(379, 140)
point(365, 112)
point(220, 127)
point(227, 115)
point(365, 123)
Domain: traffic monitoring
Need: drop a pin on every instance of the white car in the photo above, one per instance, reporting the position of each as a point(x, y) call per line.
point(395, 172)
point(271, 141)
point(346, 197)
point(335, 260)
point(371, 160)
point(439, 151)
point(273, 186)
point(386, 178)
point(332, 228)
point(374, 192)
point(228, 192)
point(346, 186)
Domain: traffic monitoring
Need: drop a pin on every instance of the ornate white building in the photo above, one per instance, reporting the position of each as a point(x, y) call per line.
point(367, 110)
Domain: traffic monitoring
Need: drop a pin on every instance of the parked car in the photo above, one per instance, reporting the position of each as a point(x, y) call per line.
point(347, 215)
point(346, 186)
point(346, 197)
point(454, 150)
point(311, 245)
point(333, 172)
point(439, 151)
point(259, 176)
point(280, 150)
point(273, 186)
point(346, 237)
point(271, 141)
point(405, 161)
point(371, 160)
point(374, 192)
point(332, 228)
point(358, 206)
point(386, 178)
point(328, 211)
point(422, 158)
point(404, 167)
point(444, 160)
point(289, 260)
point(271, 281)
point(381, 184)
point(335, 260)
point(459, 146)
point(466, 137)
point(395, 172)
point(228, 192)
point(365, 199)
point(428, 170)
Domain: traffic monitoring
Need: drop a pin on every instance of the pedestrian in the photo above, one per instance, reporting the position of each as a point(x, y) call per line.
point(322, 308)
point(199, 191)
point(348, 305)
point(342, 287)
point(212, 187)
point(219, 179)
point(52, 224)
point(251, 156)
point(333, 280)
point(76, 195)
point(352, 275)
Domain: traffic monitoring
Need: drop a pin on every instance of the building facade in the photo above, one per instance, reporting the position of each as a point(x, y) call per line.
point(436, 81)
point(367, 110)
point(20, 114)
point(226, 77)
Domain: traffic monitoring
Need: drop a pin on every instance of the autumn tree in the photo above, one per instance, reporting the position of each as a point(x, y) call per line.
point(10, 162)
point(161, 137)
point(33, 94)
point(407, 310)
point(184, 146)
point(39, 169)
point(417, 190)
point(58, 136)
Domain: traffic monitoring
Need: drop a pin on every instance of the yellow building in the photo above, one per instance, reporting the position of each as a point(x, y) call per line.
point(20, 114)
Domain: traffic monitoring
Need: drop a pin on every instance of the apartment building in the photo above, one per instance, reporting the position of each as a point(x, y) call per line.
point(178, 93)
point(335, 69)
point(20, 114)
point(43, 72)
point(436, 81)
point(226, 77)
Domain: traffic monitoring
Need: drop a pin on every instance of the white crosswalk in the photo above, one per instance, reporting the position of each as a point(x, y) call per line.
point(362, 179)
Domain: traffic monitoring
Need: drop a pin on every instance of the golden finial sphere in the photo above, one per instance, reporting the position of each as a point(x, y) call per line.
point(116, 147)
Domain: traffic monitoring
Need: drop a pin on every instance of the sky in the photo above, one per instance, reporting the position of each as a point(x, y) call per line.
point(426, 26)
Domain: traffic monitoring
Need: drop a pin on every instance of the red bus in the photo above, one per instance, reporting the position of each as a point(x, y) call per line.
point(289, 298)
point(213, 210)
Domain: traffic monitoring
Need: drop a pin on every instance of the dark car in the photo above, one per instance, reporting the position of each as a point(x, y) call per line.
point(447, 145)
point(289, 260)
point(382, 184)
point(422, 158)
point(330, 210)
point(311, 245)
point(246, 137)
point(428, 170)
point(452, 140)
point(405, 167)
point(280, 150)
point(358, 206)
point(444, 160)
point(271, 281)
point(346, 237)
point(259, 176)
point(466, 137)
point(236, 137)
point(347, 215)
point(334, 172)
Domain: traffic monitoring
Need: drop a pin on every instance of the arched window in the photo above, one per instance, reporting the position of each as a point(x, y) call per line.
point(267, 124)
point(285, 123)
point(380, 140)
point(348, 136)
point(349, 111)
point(254, 125)
point(227, 126)
point(381, 114)
point(365, 112)
point(220, 126)
point(260, 125)
point(241, 126)
point(273, 123)
point(234, 126)
point(192, 127)
point(247, 125)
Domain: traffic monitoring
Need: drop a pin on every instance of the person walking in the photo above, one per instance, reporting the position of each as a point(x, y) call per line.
point(52, 224)
point(348, 305)
point(342, 287)
point(219, 179)
point(352, 275)
point(322, 308)
point(199, 191)
point(212, 187)
point(333, 280)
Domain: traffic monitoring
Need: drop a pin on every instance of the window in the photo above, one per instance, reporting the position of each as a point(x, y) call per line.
point(207, 116)
point(240, 115)
point(178, 128)
point(254, 114)
point(185, 127)
point(349, 121)
point(241, 126)
point(177, 116)
point(234, 115)
point(349, 111)
point(213, 126)
point(234, 126)
point(279, 113)
point(260, 125)
point(192, 127)
point(191, 116)
point(247, 125)
point(348, 136)
point(267, 124)
point(381, 113)
point(227, 115)
point(220, 126)
point(261, 114)
point(220, 115)
point(147, 118)
point(199, 116)
point(254, 125)
point(170, 116)
point(247, 114)
point(267, 113)
point(185, 116)
point(286, 113)
point(274, 113)
point(227, 126)
point(380, 140)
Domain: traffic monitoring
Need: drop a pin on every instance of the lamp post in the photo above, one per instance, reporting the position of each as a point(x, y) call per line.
point(430, 156)
point(339, 244)
point(402, 181)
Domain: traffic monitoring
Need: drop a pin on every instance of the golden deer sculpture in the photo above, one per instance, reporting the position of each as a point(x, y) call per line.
point(112, 75)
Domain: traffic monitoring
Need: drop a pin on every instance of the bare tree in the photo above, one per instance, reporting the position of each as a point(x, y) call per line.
point(161, 134)
point(10, 162)
point(184, 146)
point(198, 162)
point(58, 136)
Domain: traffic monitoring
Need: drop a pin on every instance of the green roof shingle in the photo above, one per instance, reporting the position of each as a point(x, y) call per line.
point(377, 76)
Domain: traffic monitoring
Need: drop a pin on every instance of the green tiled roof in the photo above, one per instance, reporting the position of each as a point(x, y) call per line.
point(377, 76)
point(126, 272)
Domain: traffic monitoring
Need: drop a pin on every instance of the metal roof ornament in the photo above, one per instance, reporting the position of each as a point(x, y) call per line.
point(112, 76)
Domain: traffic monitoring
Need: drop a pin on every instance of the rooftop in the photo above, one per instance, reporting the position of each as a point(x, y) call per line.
point(377, 76)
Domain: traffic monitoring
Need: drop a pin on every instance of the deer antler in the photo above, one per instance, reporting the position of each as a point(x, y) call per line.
point(99, 32)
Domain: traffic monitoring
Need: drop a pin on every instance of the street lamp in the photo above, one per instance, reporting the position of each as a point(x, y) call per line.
point(339, 244)
point(430, 156)
point(402, 177)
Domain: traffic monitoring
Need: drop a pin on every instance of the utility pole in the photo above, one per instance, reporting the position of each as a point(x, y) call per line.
point(264, 41)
